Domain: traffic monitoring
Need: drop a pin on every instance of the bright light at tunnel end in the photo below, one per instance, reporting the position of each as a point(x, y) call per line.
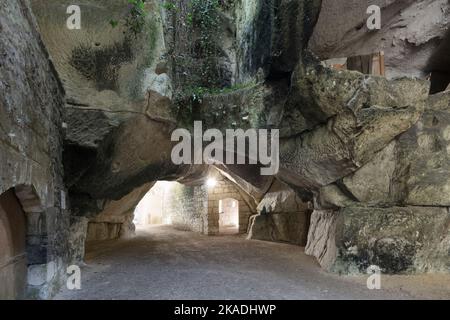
point(211, 183)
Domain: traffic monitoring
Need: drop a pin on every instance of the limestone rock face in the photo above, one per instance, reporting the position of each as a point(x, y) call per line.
point(282, 216)
point(321, 93)
point(104, 67)
point(349, 117)
point(116, 217)
point(396, 239)
point(410, 32)
point(372, 184)
point(333, 196)
point(424, 155)
point(367, 224)
point(322, 237)
point(272, 37)
point(77, 238)
point(118, 120)
point(412, 169)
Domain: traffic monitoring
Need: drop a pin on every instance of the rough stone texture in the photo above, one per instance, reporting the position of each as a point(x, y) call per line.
point(411, 31)
point(103, 67)
point(272, 37)
point(255, 106)
point(282, 216)
point(372, 184)
point(118, 120)
point(424, 156)
point(77, 239)
point(31, 102)
point(412, 169)
point(397, 239)
point(115, 220)
point(187, 207)
point(332, 197)
point(321, 237)
point(349, 117)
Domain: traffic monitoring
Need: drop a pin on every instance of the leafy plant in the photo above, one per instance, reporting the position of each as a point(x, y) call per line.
point(169, 6)
point(135, 20)
point(135, 17)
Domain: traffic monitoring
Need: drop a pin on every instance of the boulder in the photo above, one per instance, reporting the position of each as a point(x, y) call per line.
point(349, 118)
point(425, 155)
point(396, 239)
point(282, 216)
point(372, 184)
point(322, 238)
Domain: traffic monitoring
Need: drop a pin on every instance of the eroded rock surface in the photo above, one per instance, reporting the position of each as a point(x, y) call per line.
point(282, 216)
point(348, 118)
point(411, 31)
point(397, 239)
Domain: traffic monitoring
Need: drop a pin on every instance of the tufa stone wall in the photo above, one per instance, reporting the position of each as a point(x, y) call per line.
point(187, 207)
point(31, 103)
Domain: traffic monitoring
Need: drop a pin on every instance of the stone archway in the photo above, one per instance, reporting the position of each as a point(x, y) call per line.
point(13, 261)
point(224, 190)
point(23, 243)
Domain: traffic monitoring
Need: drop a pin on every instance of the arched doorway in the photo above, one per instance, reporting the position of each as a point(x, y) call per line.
point(229, 216)
point(13, 263)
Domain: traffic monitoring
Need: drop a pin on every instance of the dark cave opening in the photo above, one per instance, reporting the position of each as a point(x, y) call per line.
point(439, 66)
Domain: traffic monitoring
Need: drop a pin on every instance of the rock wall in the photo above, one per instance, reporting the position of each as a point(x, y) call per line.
point(116, 219)
point(31, 107)
point(411, 31)
point(118, 100)
point(400, 201)
point(187, 207)
point(282, 217)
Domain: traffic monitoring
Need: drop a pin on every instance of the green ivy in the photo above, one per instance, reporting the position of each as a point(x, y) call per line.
point(195, 51)
point(135, 18)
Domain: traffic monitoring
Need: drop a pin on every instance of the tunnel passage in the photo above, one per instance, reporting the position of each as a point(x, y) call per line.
point(212, 206)
point(13, 262)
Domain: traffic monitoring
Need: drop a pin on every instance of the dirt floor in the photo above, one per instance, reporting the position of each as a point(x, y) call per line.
point(163, 263)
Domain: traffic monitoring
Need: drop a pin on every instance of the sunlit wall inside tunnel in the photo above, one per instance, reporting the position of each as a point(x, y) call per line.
point(151, 209)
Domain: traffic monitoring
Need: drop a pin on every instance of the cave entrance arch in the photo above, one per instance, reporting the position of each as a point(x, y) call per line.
point(13, 260)
point(228, 216)
point(439, 67)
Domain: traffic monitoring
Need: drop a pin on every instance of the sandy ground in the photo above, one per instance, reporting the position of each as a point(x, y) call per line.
point(163, 263)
